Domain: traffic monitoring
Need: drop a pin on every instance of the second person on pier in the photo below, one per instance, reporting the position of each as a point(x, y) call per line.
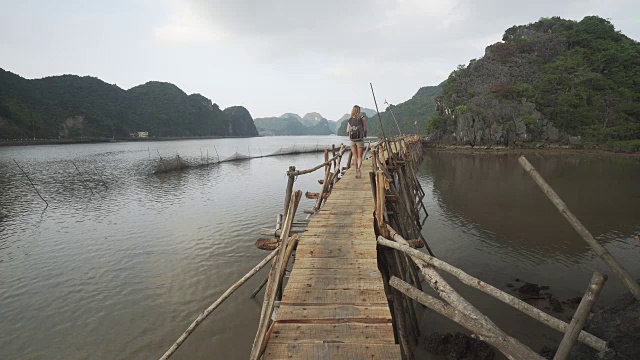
point(357, 131)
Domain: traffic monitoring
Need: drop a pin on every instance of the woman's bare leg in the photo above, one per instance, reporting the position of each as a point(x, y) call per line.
point(360, 150)
point(354, 152)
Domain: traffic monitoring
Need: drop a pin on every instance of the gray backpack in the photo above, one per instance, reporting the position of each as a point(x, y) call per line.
point(357, 129)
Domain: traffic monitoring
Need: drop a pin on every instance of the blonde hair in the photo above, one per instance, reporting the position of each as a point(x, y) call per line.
point(355, 112)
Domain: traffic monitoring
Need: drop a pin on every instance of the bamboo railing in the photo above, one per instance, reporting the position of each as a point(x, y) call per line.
point(398, 197)
point(282, 250)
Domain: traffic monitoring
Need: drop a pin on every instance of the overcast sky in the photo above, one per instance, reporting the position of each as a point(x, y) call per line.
point(273, 56)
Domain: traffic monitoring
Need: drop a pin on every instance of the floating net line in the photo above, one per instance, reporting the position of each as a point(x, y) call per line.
point(178, 163)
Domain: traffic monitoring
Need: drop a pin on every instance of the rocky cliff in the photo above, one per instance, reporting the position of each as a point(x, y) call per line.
point(552, 80)
point(240, 122)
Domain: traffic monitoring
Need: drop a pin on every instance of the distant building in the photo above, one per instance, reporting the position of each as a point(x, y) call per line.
point(139, 134)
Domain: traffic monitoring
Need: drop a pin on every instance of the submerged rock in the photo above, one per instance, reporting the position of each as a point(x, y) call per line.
point(458, 347)
point(619, 325)
point(529, 289)
point(556, 305)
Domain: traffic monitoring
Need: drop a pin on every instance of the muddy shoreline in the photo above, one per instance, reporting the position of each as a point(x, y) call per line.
point(617, 323)
point(545, 150)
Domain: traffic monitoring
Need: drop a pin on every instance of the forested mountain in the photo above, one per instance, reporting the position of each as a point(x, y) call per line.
point(415, 110)
point(70, 106)
point(552, 80)
point(292, 124)
point(279, 126)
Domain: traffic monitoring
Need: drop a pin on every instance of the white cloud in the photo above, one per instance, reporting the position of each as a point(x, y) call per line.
point(186, 26)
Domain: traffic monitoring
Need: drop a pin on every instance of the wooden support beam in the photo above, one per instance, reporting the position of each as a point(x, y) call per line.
point(580, 317)
point(484, 331)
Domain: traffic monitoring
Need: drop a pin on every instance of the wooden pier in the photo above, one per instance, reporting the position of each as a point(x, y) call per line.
point(334, 305)
point(357, 278)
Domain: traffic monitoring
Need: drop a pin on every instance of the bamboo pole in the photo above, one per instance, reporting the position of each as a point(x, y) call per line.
point(307, 171)
point(580, 316)
point(162, 161)
point(101, 178)
point(273, 284)
point(217, 303)
point(289, 189)
point(83, 179)
point(325, 186)
point(31, 182)
point(380, 203)
point(293, 241)
point(629, 282)
point(401, 323)
point(257, 290)
point(585, 337)
point(510, 347)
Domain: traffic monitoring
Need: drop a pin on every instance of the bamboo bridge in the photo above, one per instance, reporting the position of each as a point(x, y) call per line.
point(334, 304)
point(356, 276)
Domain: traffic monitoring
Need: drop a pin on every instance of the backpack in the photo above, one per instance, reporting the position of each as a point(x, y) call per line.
point(357, 131)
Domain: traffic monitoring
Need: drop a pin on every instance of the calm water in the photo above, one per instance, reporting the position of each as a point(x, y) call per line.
point(490, 219)
point(122, 273)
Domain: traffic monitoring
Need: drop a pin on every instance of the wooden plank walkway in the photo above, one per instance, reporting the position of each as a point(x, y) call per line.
point(334, 305)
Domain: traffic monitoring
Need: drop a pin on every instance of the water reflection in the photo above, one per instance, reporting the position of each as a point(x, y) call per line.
point(122, 273)
point(488, 213)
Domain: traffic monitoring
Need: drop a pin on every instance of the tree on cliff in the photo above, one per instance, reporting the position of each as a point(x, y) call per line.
point(548, 80)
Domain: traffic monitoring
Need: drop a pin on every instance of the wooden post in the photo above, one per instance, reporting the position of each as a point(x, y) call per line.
point(325, 185)
point(257, 290)
point(333, 155)
point(327, 167)
point(287, 194)
point(380, 201)
point(629, 282)
point(510, 347)
point(580, 317)
point(217, 303)
point(101, 178)
point(83, 179)
point(274, 280)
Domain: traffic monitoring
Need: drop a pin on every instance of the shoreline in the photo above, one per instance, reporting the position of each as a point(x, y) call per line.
point(108, 140)
point(548, 149)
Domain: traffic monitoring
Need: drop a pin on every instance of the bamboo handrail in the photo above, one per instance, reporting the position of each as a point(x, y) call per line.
point(477, 326)
point(557, 324)
point(328, 162)
point(274, 279)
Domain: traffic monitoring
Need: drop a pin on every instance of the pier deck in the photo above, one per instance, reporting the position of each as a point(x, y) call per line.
point(334, 305)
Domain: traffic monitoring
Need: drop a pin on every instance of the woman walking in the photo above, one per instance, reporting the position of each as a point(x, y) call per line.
point(357, 131)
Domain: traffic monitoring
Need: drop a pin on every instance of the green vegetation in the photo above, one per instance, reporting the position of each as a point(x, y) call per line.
point(417, 109)
point(552, 80)
point(74, 107)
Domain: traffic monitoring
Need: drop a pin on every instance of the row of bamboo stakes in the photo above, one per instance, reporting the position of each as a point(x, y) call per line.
point(84, 181)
